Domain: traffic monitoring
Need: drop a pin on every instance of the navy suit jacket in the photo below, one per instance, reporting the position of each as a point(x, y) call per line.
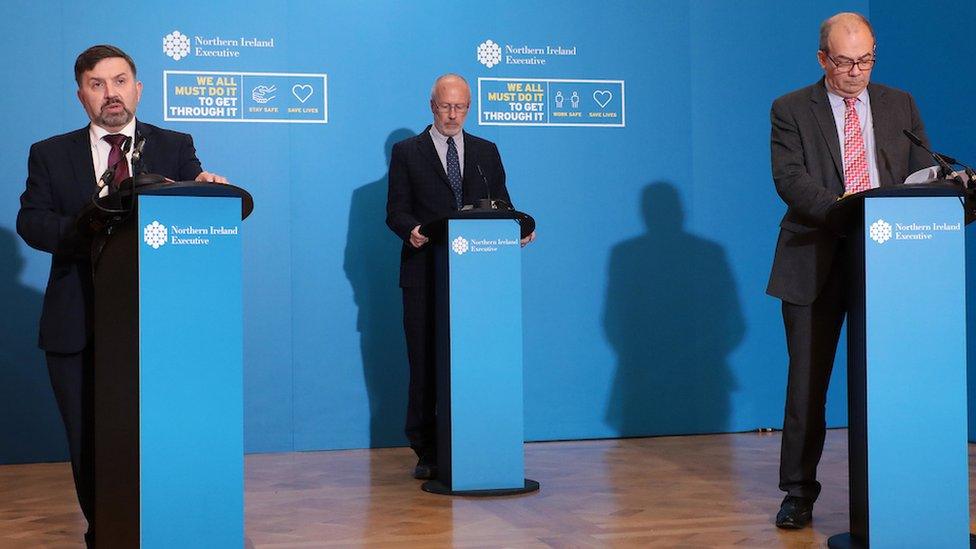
point(60, 182)
point(808, 170)
point(419, 192)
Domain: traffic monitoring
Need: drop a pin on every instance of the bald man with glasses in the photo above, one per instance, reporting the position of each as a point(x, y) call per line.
point(839, 136)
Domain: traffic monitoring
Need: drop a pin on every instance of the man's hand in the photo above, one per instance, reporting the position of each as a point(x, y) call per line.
point(211, 178)
point(527, 239)
point(416, 239)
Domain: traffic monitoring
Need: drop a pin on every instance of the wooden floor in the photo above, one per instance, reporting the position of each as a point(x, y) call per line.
point(700, 491)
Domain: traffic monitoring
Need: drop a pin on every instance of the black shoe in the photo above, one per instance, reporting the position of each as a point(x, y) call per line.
point(425, 470)
point(794, 513)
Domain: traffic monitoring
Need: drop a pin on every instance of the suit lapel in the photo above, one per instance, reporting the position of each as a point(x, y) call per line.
point(82, 167)
point(427, 149)
point(471, 178)
point(820, 105)
point(145, 131)
point(883, 134)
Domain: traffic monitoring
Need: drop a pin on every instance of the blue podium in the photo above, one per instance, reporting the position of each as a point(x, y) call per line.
point(478, 303)
point(168, 440)
point(908, 455)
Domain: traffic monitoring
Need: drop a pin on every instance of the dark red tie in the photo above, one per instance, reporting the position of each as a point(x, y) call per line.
point(116, 159)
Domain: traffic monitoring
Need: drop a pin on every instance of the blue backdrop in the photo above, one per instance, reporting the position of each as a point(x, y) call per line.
point(643, 296)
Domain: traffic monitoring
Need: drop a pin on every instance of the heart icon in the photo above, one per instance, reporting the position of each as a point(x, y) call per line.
point(602, 97)
point(303, 91)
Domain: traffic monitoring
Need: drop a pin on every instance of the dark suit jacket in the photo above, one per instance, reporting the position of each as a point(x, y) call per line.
point(419, 192)
point(60, 182)
point(808, 170)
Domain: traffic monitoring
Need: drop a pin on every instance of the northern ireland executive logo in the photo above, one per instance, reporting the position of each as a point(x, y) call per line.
point(155, 234)
point(880, 231)
point(176, 45)
point(459, 245)
point(489, 53)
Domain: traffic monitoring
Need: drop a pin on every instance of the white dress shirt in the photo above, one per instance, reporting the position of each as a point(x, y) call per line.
point(100, 149)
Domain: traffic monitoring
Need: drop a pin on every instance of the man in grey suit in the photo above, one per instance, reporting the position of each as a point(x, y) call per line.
point(840, 135)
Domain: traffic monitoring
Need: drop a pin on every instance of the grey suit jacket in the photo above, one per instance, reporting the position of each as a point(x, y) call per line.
point(808, 170)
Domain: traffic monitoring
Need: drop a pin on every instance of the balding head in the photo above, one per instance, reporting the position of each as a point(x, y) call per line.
point(846, 53)
point(449, 79)
point(846, 23)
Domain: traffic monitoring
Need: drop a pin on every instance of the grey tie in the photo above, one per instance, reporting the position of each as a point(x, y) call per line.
point(454, 171)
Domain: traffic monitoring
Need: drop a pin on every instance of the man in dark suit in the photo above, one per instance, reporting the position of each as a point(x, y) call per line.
point(61, 180)
point(838, 136)
point(432, 175)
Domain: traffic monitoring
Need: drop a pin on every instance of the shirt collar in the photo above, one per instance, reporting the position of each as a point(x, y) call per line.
point(438, 136)
point(837, 100)
point(96, 132)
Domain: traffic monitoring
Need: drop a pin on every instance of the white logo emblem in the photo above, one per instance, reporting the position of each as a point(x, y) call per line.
point(489, 54)
point(302, 92)
point(602, 97)
point(155, 234)
point(881, 231)
point(260, 94)
point(176, 45)
point(459, 245)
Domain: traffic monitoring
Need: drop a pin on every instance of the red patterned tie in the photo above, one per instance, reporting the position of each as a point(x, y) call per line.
point(115, 156)
point(856, 178)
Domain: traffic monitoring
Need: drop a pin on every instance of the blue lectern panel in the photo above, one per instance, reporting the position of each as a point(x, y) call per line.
point(486, 354)
point(191, 373)
point(916, 372)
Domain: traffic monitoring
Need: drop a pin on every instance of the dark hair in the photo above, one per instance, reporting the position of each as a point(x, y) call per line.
point(89, 58)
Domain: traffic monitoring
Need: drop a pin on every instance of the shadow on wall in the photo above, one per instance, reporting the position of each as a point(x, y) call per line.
point(30, 427)
point(672, 315)
point(372, 265)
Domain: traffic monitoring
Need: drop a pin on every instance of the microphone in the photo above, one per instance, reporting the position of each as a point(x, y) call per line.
point(126, 145)
point(481, 203)
point(939, 159)
point(141, 175)
point(137, 167)
point(114, 207)
point(944, 161)
point(109, 172)
point(107, 176)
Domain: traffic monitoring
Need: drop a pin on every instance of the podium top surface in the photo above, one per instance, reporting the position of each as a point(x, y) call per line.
point(437, 227)
point(195, 188)
point(843, 213)
point(109, 209)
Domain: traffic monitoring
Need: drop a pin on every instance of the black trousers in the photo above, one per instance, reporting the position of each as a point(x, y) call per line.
point(812, 332)
point(72, 378)
point(418, 327)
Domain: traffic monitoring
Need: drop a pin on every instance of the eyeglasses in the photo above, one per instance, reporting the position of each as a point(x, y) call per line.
point(447, 107)
point(844, 64)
